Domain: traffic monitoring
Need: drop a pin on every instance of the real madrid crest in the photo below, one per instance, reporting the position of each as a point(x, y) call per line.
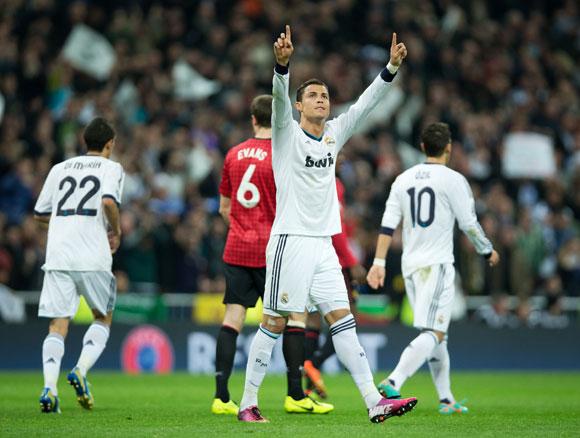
point(329, 141)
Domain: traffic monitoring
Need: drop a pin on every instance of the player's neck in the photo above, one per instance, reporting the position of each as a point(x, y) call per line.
point(103, 154)
point(314, 128)
point(437, 160)
point(263, 133)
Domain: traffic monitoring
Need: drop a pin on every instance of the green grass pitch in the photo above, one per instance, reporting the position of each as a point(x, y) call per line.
point(502, 404)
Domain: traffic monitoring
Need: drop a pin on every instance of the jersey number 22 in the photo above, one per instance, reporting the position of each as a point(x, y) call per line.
point(80, 210)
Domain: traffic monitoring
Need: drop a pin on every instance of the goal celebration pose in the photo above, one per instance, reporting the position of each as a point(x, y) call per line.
point(302, 267)
point(248, 205)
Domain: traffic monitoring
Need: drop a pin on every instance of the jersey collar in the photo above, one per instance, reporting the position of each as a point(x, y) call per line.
point(311, 136)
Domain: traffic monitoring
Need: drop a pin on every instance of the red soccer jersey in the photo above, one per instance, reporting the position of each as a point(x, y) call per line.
point(248, 180)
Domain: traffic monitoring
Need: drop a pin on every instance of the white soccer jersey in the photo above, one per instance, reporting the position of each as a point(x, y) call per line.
point(71, 195)
point(304, 167)
point(428, 198)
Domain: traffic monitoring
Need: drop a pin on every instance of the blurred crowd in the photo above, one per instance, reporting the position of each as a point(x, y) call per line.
point(486, 68)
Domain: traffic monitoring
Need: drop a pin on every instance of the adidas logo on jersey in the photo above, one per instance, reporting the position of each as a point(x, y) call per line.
point(324, 162)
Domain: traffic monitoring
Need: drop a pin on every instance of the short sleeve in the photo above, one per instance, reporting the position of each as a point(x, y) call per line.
point(43, 205)
point(113, 183)
point(393, 211)
point(226, 184)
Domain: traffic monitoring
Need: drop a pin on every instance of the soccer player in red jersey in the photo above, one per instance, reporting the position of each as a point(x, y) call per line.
point(248, 205)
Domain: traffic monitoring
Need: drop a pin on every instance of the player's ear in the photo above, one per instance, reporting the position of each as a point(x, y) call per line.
point(422, 147)
point(298, 106)
point(254, 120)
point(109, 146)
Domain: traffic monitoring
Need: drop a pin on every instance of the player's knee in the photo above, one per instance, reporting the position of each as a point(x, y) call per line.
point(235, 316)
point(103, 319)
point(60, 326)
point(297, 318)
point(275, 324)
point(295, 323)
point(439, 335)
point(314, 321)
point(335, 315)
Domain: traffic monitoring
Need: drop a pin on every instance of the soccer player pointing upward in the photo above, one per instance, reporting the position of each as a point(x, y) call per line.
point(302, 267)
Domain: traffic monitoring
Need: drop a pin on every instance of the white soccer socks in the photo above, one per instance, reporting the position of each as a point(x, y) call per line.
point(353, 357)
point(439, 365)
point(258, 362)
point(94, 343)
point(413, 357)
point(52, 352)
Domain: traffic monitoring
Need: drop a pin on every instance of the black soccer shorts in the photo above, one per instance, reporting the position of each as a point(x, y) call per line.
point(244, 285)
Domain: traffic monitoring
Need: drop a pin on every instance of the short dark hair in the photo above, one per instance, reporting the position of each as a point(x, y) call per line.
point(98, 133)
point(261, 109)
point(434, 138)
point(305, 84)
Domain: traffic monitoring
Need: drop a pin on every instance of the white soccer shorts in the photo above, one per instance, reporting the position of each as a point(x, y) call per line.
point(431, 291)
point(61, 291)
point(302, 271)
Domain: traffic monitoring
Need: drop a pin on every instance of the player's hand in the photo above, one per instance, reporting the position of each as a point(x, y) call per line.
point(283, 47)
point(398, 51)
point(358, 274)
point(114, 241)
point(376, 276)
point(494, 258)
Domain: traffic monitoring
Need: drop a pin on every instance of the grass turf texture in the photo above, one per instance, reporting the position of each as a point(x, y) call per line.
point(501, 404)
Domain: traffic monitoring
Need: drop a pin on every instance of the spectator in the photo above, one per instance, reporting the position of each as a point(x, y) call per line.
point(173, 149)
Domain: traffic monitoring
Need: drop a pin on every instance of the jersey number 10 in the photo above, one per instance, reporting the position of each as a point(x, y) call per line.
point(416, 206)
point(247, 186)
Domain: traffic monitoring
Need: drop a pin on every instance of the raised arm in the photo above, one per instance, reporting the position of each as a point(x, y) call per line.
point(463, 206)
point(281, 104)
point(346, 123)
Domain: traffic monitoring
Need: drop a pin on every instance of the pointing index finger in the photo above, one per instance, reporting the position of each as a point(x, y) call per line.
point(394, 40)
point(288, 33)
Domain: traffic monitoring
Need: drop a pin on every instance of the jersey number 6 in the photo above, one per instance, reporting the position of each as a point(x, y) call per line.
point(247, 186)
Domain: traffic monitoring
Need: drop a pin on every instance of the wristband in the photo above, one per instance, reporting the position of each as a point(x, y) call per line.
point(281, 69)
point(392, 68)
point(488, 255)
point(380, 262)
